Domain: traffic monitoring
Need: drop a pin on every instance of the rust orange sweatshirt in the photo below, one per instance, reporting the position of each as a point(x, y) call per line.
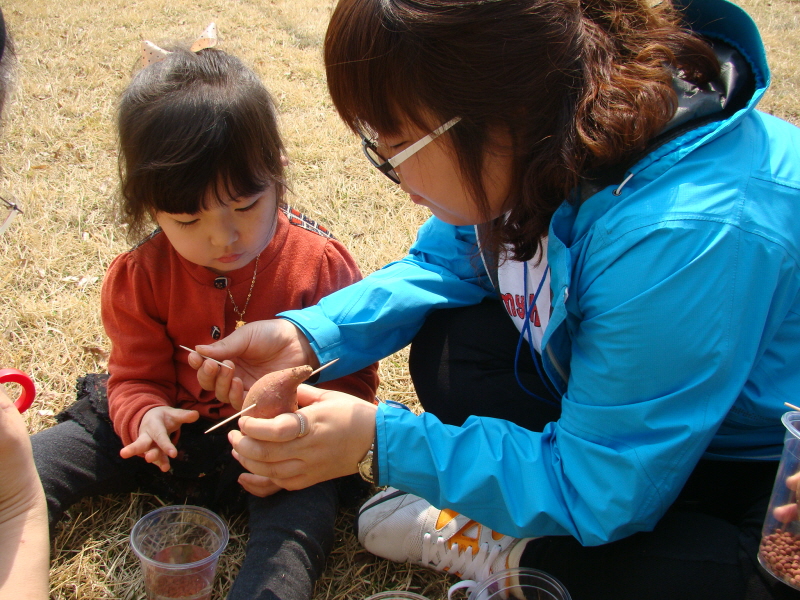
point(154, 300)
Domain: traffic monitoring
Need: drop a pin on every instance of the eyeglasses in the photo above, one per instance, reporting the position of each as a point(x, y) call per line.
point(387, 166)
point(13, 209)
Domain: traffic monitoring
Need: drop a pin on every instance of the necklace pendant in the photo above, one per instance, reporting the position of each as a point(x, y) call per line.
point(236, 310)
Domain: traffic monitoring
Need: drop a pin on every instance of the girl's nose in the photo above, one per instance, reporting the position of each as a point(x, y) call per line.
point(224, 235)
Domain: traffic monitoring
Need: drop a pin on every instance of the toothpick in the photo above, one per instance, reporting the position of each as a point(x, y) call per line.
point(207, 357)
point(792, 406)
point(241, 412)
point(231, 418)
point(325, 366)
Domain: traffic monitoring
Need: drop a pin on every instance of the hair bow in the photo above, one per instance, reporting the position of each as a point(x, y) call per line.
point(153, 54)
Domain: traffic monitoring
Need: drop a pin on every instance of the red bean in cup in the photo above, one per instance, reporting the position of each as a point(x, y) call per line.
point(780, 552)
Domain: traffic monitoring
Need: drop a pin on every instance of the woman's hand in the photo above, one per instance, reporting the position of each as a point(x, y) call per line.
point(789, 512)
point(341, 429)
point(258, 485)
point(254, 350)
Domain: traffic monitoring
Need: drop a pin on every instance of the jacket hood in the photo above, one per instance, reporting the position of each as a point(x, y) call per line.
point(720, 21)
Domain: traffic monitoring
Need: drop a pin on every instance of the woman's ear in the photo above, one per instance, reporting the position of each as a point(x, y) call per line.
point(284, 160)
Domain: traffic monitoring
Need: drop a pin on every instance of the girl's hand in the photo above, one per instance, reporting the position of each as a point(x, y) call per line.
point(153, 442)
point(256, 349)
point(341, 429)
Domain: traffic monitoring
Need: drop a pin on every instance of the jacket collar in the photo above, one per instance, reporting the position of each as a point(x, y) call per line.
point(723, 21)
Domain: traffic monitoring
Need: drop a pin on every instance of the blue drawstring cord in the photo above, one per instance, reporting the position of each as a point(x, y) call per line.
point(526, 326)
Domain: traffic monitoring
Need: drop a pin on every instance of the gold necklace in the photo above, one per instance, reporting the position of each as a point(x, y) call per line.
point(241, 320)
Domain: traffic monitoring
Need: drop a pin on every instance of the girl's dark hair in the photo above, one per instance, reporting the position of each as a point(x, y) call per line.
point(577, 84)
point(193, 126)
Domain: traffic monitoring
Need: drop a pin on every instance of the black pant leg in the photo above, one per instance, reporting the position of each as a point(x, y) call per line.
point(79, 456)
point(72, 465)
point(688, 556)
point(704, 548)
point(462, 363)
point(291, 535)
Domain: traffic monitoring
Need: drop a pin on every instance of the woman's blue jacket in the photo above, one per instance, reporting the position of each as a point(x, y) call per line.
point(675, 331)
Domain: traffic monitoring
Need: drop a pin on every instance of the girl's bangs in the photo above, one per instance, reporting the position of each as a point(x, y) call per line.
point(239, 181)
point(219, 184)
point(220, 160)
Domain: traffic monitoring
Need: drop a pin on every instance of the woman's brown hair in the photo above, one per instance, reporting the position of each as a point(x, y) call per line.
point(194, 126)
point(578, 84)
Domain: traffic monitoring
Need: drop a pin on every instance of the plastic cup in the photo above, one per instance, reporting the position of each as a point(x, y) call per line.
point(178, 548)
point(779, 552)
point(396, 596)
point(522, 583)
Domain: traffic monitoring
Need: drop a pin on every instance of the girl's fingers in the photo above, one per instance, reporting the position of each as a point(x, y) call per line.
point(156, 457)
point(137, 447)
point(163, 442)
point(184, 416)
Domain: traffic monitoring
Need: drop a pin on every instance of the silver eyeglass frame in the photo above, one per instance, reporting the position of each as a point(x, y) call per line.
point(387, 166)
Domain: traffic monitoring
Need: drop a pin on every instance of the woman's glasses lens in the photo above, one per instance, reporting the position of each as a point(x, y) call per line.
point(378, 161)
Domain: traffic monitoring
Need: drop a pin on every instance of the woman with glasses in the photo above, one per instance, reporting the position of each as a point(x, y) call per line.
point(602, 311)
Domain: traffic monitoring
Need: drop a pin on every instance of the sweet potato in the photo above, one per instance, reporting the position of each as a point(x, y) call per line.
point(276, 393)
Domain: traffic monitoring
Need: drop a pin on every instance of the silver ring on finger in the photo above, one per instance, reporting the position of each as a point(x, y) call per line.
point(301, 419)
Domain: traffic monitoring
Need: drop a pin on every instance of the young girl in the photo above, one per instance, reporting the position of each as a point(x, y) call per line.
point(200, 154)
point(637, 457)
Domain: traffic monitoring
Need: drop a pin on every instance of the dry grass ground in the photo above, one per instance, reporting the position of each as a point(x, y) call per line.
point(59, 160)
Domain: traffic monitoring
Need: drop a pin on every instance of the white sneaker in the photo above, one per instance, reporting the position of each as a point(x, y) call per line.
point(405, 528)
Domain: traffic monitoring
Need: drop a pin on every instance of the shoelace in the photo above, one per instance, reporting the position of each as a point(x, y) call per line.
point(463, 564)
